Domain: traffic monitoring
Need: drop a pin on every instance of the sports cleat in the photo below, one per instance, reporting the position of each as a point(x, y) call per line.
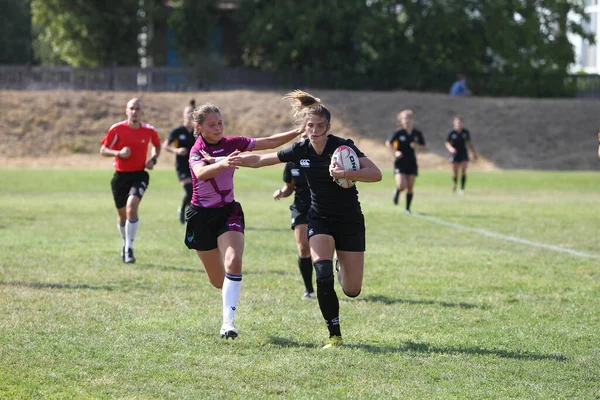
point(454, 187)
point(228, 330)
point(407, 212)
point(334, 341)
point(129, 258)
point(461, 192)
point(309, 295)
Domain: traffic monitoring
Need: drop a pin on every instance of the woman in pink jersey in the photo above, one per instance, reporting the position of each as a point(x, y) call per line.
point(215, 221)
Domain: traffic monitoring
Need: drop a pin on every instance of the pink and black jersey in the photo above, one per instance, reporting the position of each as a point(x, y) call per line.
point(217, 191)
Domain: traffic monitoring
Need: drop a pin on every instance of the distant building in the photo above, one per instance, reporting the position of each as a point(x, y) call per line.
point(587, 56)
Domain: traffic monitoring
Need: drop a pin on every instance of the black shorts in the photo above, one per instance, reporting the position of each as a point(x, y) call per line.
point(459, 157)
point(183, 172)
point(125, 184)
point(299, 216)
point(348, 235)
point(205, 225)
point(406, 167)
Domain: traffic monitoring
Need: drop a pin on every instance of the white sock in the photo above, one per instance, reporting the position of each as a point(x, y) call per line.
point(131, 227)
point(122, 232)
point(232, 287)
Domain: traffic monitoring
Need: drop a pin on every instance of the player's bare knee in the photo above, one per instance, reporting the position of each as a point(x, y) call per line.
point(352, 292)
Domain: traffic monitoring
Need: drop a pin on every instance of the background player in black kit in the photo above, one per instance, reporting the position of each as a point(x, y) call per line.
point(335, 219)
point(295, 182)
point(457, 142)
point(179, 142)
point(403, 143)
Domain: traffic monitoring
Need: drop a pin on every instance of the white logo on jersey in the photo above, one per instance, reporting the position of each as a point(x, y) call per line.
point(305, 163)
point(181, 137)
point(403, 138)
point(218, 151)
point(234, 224)
point(453, 136)
point(295, 172)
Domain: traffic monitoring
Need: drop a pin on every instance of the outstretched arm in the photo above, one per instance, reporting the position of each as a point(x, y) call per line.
point(277, 139)
point(368, 172)
point(258, 160)
point(211, 166)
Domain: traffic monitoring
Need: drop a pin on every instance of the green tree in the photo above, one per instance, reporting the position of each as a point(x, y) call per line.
point(515, 47)
point(87, 33)
point(15, 32)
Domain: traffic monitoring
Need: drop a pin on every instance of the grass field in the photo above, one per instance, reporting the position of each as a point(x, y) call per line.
point(492, 295)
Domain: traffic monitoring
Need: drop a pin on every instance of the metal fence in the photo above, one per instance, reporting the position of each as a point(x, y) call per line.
point(215, 78)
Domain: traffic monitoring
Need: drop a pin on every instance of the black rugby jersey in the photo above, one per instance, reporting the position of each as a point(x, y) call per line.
point(181, 137)
point(293, 173)
point(459, 140)
point(401, 141)
point(328, 199)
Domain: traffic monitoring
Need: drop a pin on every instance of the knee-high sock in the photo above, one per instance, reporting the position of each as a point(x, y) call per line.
point(306, 269)
point(409, 197)
point(463, 180)
point(232, 287)
point(131, 227)
point(396, 196)
point(328, 300)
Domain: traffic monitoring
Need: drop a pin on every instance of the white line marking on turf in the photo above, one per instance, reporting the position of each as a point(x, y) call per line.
point(504, 237)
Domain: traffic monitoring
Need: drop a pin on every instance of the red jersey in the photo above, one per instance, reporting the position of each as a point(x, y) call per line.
point(121, 135)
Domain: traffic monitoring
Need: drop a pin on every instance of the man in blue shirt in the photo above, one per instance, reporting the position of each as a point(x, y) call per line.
point(459, 88)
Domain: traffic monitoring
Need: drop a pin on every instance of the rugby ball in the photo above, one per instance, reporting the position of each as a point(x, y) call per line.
point(345, 158)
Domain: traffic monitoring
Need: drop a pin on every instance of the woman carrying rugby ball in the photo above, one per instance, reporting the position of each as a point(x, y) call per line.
point(335, 219)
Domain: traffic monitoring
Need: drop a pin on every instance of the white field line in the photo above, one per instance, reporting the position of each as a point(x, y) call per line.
point(269, 182)
point(508, 238)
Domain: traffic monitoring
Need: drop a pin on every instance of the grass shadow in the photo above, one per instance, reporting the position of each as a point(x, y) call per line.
point(268, 229)
point(387, 300)
point(424, 348)
point(48, 285)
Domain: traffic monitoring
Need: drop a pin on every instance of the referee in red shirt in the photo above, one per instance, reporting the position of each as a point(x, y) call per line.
point(127, 141)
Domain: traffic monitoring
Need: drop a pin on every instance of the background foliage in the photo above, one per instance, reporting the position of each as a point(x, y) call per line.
point(506, 47)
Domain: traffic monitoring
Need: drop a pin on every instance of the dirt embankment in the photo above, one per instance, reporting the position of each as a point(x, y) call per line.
point(64, 128)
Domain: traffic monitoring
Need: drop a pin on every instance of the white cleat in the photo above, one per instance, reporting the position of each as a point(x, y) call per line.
point(309, 295)
point(228, 330)
point(461, 192)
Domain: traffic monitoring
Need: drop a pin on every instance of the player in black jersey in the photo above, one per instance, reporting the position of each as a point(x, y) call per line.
point(335, 219)
point(403, 143)
point(599, 143)
point(295, 182)
point(457, 142)
point(180, 142)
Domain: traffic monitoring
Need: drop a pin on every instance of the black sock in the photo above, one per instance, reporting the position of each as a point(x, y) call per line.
point(463, 179)
point(306, 269)
point(396, 196)
point(189, 190)
point(409, 197)
point(455, 180)
point(328, 300)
